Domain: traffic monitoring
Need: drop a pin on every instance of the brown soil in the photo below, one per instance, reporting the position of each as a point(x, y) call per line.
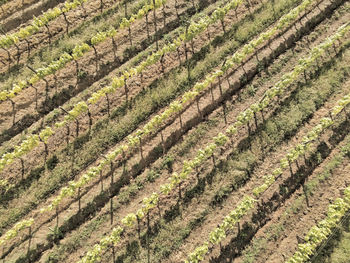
point(176, 125)
point(41, 149)
point(145, 192)
point(109, 63)
point(17, 12)
point(271, 162)
point(56, 27)
point(171, 132)
point(299, 224)
point(193, 205)
point(98, 112)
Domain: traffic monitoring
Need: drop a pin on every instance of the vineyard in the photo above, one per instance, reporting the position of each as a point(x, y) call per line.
point(175, 131)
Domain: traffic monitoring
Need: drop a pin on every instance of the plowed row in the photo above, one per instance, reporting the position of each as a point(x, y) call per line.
point(183, 220)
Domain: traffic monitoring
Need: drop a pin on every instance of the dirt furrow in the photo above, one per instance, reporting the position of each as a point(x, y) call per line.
point(217, 91)
point(266, 165)
point(17, 12)
point(54, 30)
point(315, 212)
point(67, 84)
point(266, 209)
point(123, 212)
point(61, 135)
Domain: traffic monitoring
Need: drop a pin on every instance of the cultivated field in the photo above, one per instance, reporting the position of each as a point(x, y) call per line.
point(175, 131)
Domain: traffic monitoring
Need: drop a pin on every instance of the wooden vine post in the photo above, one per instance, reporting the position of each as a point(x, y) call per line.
point(13, 105)
point(148, 239)
point(114, 44)
point(164, 15)
point(159, 210)
point(147, 29)
point(245, 73)
point(66, 20)
point(8, 54)
point(179, 190)
point(224, 111)
point(45, 80)
point(29, 239)
point(180, 117)
point(211, 92)
point(163, 143)
point(178, 55)
point(198, 108)
point(76, 70)
point(249, 131)
point(108, 106)
point(162, 63)
point(22, 168)
point(18, 55)
point(220, 87)
point(45, 149)
point(28, 46)
point(111, 192)
point(126, 91)
point(138, 227)
point(113, 253)
point(101, 181)
point(155, 23)
point(48, 32)
point(222, 21)
point(129, 29)
point(290, 168)
point(96, 57)
point(76, 122)
point(90, 119)
point(185, 46)
point(124, 161)
point(141, 152)
point(57, 213)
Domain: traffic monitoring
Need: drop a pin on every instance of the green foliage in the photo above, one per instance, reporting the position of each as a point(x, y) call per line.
point(152, 175)
point(82, 74)
point(168, 162)
point(55, 234)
